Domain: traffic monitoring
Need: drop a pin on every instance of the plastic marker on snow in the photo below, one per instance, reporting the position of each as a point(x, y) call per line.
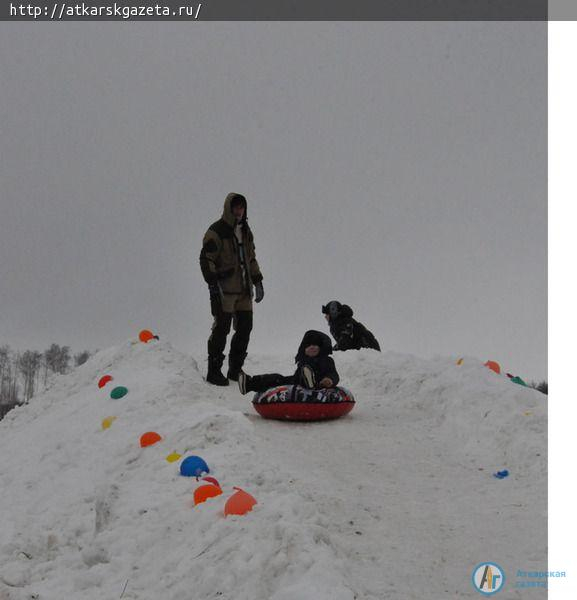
point(107, 422)
point(118, 392)
point(501, 474)
point(145, 336)
point(211, 480)
point(104, 380)
point(149, 439)
point(460, 362)
point(204, 492)
point(173, 457)
point(193, 466)
point(239, 503)
point(516, 379)
point(494, 366)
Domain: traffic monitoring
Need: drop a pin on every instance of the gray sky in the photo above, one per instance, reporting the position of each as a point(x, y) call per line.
point(398, 167)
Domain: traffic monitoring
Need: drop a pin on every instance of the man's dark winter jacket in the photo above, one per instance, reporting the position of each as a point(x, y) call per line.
point(220, 259)
point(322, 365)
point(348, 333)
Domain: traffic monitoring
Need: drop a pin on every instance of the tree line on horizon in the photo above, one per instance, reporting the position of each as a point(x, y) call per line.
point(22, 374)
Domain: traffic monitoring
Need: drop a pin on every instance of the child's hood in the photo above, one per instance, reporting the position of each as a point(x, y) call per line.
point(315, 338)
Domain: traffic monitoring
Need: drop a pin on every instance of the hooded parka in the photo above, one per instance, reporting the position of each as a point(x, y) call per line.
point(225, 260)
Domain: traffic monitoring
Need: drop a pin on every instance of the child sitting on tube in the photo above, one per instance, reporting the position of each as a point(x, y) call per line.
point(315, 368)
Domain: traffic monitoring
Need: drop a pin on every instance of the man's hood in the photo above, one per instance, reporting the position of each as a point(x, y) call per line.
point(227, 214)
point(336, 310)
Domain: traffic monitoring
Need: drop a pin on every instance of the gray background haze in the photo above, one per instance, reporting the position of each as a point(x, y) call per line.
point(398, 167)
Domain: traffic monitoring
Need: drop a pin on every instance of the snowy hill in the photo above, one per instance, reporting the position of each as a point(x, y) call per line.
point(396, 501)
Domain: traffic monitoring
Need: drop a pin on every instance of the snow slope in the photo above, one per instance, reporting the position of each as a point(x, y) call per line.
point(396, 501)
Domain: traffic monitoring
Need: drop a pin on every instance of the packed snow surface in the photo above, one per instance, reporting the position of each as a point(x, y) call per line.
point(395, 501)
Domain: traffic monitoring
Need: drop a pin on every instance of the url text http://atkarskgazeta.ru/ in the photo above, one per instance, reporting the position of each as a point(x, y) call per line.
point(60, 10)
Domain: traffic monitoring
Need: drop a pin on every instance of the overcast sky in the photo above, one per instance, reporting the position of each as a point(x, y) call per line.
point(397, 167)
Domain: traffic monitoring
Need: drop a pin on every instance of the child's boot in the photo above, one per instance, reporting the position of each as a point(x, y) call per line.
point(308, 377)
point(244, 381)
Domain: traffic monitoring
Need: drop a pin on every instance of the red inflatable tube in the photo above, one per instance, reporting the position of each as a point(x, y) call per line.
point(294, 403)
point(297, 411)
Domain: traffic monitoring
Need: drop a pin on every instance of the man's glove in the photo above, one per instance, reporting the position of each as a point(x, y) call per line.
point(258, 292)
point(215, 299)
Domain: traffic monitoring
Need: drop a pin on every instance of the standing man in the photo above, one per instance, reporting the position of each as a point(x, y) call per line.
point(229, 266)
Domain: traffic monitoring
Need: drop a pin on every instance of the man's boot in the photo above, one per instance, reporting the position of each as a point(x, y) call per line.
point(235, 363)
point(214, 374)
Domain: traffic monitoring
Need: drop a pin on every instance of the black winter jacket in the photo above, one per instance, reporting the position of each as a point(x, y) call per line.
point(348, 333)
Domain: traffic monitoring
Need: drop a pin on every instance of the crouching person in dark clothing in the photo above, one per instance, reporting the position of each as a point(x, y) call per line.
point(315, 368)
point(348, 333)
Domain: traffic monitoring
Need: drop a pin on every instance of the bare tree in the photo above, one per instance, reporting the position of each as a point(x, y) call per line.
point(28, 364)
point(4, 364)
point(64, 360)
point(57, 358)
point(81, 358)
point(51, 357)
point(8, 384)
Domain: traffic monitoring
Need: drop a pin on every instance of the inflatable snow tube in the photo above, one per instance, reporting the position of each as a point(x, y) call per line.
point(295, 403)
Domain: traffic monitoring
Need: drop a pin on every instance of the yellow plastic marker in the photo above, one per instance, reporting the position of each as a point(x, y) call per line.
point(106, 423)
point(460, 361)
point(173, 457)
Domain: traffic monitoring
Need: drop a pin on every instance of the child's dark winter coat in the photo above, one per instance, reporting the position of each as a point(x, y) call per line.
point(322, 365)
point(348, 333)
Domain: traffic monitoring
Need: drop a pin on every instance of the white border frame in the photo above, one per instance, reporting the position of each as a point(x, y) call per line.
point(562, 505)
